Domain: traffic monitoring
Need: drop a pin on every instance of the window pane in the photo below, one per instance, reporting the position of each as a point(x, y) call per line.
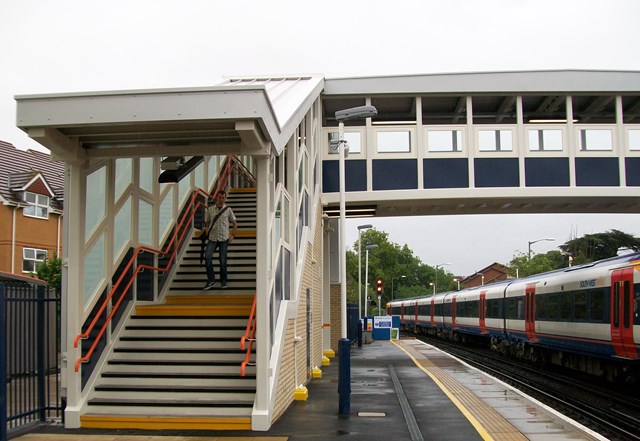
point(93, 269)
point(30, 197)
point(353, 138)
point(184, 188)
point(211, 170)
point(123, 175)
point(634, 139)
point(444, 140)
point(495, 140)
point(43, 200)
point(29, 253)
point(146, 174)
point(199, 176)
point(548, 139)
point(591, 139)
point(394, 142)
point(122, 227)
point(95, 200)
point(166, 213)
point(145, 218)
point(41, 254)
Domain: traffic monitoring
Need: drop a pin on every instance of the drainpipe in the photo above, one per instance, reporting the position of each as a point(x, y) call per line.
point(13, 240)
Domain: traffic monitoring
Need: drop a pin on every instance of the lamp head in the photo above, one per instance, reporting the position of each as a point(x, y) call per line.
point(359, 112)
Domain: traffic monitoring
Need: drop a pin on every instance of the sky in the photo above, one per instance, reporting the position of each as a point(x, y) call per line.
point(87, 45)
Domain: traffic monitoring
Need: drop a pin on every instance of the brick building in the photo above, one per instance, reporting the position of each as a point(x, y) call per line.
point(31, 200)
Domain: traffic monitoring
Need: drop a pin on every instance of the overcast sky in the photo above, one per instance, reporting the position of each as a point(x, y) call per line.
point(85, 45)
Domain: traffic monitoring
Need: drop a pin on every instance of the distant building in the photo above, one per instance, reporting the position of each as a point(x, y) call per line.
point(31, 201)
point(493, 273)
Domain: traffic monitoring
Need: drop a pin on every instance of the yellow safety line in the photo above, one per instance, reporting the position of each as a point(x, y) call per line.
point(474, 422)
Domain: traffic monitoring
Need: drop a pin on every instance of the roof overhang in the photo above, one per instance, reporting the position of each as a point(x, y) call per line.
point(238, 117)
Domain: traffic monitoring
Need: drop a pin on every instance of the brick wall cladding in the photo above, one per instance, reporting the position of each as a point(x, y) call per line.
point(335, 316)
point(30, 232)
point(294, 355)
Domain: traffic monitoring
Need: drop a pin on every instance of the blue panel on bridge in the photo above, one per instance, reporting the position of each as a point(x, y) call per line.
point(497, 172)
point(546, 172)
point(632, 168)
point(355, 176)
point(445, 173)
point(597, 172)
point(395, 174)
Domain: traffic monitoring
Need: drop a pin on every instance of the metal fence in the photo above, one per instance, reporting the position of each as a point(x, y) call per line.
point(29, 356)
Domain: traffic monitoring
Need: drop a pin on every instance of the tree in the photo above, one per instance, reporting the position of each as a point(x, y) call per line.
point(592, 247)
point(51, 271)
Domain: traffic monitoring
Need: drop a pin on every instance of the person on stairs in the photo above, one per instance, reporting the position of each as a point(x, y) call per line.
point(217, 219)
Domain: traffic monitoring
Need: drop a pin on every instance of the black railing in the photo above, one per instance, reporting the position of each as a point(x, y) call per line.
point(29, 355)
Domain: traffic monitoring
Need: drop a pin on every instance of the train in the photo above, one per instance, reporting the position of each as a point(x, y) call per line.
point(585, 317)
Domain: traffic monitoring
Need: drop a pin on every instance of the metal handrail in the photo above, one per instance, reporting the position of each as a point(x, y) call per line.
point(230, 166)
point(250, 336)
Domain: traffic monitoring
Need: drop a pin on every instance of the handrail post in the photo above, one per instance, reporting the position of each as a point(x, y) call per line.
point(3, 366)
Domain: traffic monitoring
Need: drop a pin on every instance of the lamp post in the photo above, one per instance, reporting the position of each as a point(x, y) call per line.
point(360, 228)
point(482, 274)
point(344, 375)
point(434, 288)
point(550, 239)
point(457, 280)
point(440, 265)
point(366, 276)
point(401, 277)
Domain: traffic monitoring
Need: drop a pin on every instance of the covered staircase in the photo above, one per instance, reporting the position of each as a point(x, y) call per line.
point(176, 364)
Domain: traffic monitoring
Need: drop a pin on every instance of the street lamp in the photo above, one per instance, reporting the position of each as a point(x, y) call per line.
point(360, 228)
point(401, 277)
point(440, 265)
point(482, 274)
point(457, 280)
point(434, 288)
point(538, 240)
point(366, 276)
point(344, 375)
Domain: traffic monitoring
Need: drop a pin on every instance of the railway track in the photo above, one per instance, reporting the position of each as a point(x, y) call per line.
point(612, 413)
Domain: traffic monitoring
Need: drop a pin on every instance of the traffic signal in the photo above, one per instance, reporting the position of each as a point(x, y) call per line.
point(379, 285)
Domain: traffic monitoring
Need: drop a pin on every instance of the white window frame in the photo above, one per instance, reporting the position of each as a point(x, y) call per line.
point(627, 142)
point(445, 153)
point(36, 262)
point(400, 154)
point(563, 133)
point(509, 129)
point(328, 153)
point(35, 205)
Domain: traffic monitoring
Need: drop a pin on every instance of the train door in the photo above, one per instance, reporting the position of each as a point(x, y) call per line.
point(416, 312)
point(453, 312)
point(530, 312)
point(482, 312)
point(622, 313)
point(433, 310)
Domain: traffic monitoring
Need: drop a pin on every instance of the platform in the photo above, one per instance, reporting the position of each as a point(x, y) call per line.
point(403, 390)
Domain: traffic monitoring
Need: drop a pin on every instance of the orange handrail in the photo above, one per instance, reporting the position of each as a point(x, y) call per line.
point(230, 165)
point(250, 335)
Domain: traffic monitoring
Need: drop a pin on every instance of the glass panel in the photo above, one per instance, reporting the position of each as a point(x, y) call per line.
point(634, 139)
point(95, 200)
point(287, 274)
point(146, 174)
point(444, 140)
point(93, 269)
point(542, 109)
point(30, 197)
point(595, 139)
point(594, 109)
point(211, 171)
point(494, 109)
point(277, 225)
point(394, 142)
point(548, 140)
point(352, 138)
point(199, 176)
point(495, 140)
point(122, 228)
point(285, 217)
point(145, 219)
point(166, 214)
point(123, 175)
point(184, 188)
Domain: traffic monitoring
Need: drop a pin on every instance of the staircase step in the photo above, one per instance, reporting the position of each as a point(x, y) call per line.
point(144, 422)
point(193, 310)
point(169, 403)
point(178, 361)
point(218, 299)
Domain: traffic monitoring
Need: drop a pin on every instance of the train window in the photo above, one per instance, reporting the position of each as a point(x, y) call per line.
point(596, 305)
point(566, 298)
point(580, 305)
point(626, 319)
point(553, 308)
point(447, 309)
point(438, 310)
point(515, 308)
point(472, 309)
point(541, 307)
point(493, 308)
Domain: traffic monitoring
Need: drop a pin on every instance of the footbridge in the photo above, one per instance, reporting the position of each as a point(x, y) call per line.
point(494, 142)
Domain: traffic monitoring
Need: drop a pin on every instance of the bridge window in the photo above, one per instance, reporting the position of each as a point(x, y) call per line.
point(146, 174)
point(123, 175)
point(439, 110)
point(594, 109)
point(544, 109)
point(353, 138)
point(595, 139)
point(545, 140)
point(122, 228)
point(631, 109)
point(633, 139)
point(444, 140)
point(394, 141)
point(495, 140)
